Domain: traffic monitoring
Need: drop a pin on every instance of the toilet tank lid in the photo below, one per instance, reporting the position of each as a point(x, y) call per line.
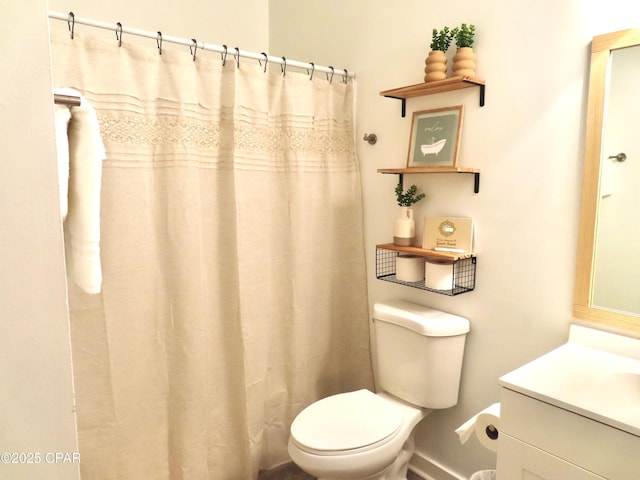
point(423, 320)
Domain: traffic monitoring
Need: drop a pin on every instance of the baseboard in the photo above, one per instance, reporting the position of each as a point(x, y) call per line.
point(430, 469)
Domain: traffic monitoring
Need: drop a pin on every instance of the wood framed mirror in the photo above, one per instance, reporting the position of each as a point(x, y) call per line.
point(597, 155)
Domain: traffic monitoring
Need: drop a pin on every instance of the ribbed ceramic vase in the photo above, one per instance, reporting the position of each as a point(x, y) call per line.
point(436, 66)
point(464, 63)
point(405, 228)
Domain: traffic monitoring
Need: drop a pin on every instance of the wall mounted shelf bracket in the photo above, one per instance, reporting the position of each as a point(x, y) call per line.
point(404, 104)
point(476, 182)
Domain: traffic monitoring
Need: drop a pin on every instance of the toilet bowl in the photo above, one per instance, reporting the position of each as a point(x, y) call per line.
point(355, 435)
point(366, 436)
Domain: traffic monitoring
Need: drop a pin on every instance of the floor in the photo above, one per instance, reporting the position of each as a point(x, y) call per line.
point(292, 472)
point(286, 472)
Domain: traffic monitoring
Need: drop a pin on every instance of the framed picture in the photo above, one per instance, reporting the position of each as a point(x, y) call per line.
point(435, 137)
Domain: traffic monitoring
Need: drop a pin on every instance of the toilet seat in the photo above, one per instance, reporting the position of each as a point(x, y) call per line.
point(346, 423)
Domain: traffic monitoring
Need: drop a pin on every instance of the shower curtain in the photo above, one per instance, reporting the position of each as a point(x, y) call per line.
point(233, 265)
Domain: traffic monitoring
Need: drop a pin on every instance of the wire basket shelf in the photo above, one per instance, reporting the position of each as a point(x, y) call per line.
point(463, 278)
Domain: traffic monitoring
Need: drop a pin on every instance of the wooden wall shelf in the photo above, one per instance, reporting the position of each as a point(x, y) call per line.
point(403, 171)
point(430, 88)
point(463, 264)
point(437, 254)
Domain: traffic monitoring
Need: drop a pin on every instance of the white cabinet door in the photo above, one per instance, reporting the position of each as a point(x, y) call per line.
point(520, 461)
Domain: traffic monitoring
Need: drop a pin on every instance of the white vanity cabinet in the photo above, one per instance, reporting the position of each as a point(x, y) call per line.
point(539, 441)
point(564, 416)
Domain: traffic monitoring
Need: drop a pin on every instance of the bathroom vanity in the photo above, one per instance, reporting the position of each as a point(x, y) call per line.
point(574, 413)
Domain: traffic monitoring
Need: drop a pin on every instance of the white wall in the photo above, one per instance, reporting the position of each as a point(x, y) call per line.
point(36, 394)
point(527, 141)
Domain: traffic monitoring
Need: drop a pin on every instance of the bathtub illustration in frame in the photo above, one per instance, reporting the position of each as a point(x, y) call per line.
point(435, 138)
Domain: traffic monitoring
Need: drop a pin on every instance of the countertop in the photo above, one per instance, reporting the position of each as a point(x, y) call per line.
point(585, 380)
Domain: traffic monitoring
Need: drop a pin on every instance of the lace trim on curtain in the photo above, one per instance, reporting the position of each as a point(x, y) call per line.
point(256, 143)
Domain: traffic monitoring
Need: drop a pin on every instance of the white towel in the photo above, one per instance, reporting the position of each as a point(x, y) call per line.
point(80, 155)
point(62, 117)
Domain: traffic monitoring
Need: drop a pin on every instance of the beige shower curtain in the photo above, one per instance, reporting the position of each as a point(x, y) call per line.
point(232, 252)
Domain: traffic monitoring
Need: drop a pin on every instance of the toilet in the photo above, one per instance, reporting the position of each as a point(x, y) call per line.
point(363, 435)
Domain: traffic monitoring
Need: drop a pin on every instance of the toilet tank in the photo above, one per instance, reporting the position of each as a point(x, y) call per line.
point(419, 352)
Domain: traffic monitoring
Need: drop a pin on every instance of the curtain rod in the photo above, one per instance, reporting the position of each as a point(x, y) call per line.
point(119, 29)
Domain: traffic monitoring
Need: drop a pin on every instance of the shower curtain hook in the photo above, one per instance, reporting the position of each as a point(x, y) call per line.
point(236, 56)
point(333, 71)
point(119, 35)
point(313, 69)
point(193, 48)
point(223, 55)
point(159, 42)
point(283, 67)
point(346, 76)
point(266, 61)
point(71, 23)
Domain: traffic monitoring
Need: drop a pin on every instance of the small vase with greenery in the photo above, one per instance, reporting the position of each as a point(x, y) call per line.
point(436, 62)
point(405, 226)
point(464, 61)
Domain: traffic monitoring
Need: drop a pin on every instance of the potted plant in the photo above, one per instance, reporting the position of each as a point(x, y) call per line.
point(436, 62)
point(464, 61)
point(405, 226)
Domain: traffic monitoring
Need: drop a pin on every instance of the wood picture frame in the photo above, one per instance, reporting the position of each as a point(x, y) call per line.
point(435, 138)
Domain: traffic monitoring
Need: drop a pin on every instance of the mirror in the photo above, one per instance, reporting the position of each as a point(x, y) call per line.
point(607, 287)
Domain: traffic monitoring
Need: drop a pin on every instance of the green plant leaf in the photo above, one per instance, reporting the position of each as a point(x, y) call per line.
point(464, 35)
point(441, 39)
point(408, 198)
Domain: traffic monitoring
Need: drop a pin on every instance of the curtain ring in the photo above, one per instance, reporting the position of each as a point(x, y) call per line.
point(346, 76)
point(223, 55)
point(119, 35)
point(159, 42)
point(313, 69)
point(193, 48)
point(283, 67)
point(266, 61)
point(333, 71)
point(71, 23)
point(236, 56)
